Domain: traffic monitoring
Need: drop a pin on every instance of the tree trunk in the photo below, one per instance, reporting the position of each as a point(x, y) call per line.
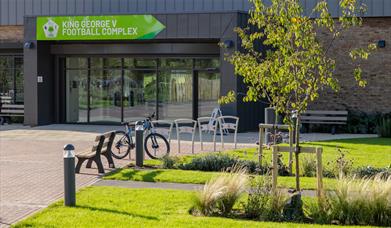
point(297, 152)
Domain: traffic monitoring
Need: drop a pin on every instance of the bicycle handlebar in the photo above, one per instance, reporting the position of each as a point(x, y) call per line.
point(150, 117)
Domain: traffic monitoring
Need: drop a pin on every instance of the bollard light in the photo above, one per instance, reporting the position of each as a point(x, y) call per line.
point(69, 175)
point(139, 144)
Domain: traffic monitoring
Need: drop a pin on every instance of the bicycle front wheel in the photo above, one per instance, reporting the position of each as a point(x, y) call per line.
point(156, 146)
point(121, 146)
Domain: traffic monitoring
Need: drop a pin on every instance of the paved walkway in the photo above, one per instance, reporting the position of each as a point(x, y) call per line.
point(31, 163)
point(161, 185)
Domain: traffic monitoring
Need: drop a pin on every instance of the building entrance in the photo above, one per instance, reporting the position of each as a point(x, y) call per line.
point(112, 90)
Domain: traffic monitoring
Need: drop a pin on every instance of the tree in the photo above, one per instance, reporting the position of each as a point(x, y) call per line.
point(297, 63)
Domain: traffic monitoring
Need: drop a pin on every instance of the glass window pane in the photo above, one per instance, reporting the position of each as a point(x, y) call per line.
point(5, 62)
point(112, 62)
point(105, 92)
point(176, 63)
point(76, 63)
point(139, 94)
point(175, 94)
point(144, 63)
point(5, 80)
point(76, 96)
point(96, 63)
point(207, 63)
point(19, 86)
point(19, 80)
point(129, 62)
point(107, 63)
point(208, 92)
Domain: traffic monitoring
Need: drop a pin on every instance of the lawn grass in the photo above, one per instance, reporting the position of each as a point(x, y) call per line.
point(121, 207)
point(374, 152)
point(199, 177)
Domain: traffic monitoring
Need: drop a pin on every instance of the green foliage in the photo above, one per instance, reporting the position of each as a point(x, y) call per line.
point(261, 203)
point(341, 166)
point(356, 202)
point(308, 166)
point(218, 162)
point(169, 162)
point(258, 198)
point(297, 64)
point(384, 126)
point(369, 171)
point(362, 123)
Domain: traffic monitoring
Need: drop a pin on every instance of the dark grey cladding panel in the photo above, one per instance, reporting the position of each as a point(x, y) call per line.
point(13, 11)
point(196, 25)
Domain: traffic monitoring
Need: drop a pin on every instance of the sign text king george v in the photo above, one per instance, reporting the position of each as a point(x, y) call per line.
point(118, 27)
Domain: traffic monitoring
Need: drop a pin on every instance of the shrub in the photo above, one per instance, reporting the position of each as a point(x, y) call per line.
point(211, 162)
point(220, 194)
point(356, 202)
point(261, 203)
point(369, 171)
point(384, 126)
point(362, 123)
point(283, 170)
point(308, 166)
point(218, 162)
point(258, 197)
point(341, 167)
point(169, 162)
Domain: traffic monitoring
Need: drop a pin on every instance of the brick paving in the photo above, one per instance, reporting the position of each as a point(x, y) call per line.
point(31, 166)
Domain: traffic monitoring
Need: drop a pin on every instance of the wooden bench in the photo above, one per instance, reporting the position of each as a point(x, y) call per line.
point(9, 110)
point(5, 99)
point(325, 117)
point(103, 146)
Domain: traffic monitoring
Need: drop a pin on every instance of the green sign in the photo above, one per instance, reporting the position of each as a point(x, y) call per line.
point(119, 27)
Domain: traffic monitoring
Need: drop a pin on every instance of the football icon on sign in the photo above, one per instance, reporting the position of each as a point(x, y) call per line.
point(50, 29)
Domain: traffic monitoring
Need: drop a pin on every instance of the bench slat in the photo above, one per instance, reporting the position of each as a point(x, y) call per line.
point(324, 112)
point(10, 106)
point(325, 118)
point(7, 114)
point(320, 122)
point(9, 111)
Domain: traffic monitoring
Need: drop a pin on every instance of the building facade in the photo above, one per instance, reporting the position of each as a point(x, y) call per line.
point(178, 72)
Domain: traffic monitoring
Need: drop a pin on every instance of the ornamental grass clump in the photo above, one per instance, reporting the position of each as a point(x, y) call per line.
point(220, 194)
point(357, 202)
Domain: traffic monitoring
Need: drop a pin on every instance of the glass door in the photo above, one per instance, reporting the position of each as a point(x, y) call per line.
point(208, 92)
point(105, 90)
point(139, 94)
point(175, 88)
point(208, 79)
point(139, 89)
point(76, 90)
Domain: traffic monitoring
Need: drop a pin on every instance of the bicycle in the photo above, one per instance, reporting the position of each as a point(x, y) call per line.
point(156, 145)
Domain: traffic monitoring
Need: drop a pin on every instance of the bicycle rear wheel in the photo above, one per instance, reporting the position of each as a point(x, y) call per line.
point(121, 146)
point(156, 146)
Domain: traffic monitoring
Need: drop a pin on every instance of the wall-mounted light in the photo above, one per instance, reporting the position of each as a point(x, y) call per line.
point(228, 44)
point(28, 45)
point(381, 44)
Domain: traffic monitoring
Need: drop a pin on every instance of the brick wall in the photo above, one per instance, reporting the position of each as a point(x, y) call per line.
point(376, 96)
point(12, 34)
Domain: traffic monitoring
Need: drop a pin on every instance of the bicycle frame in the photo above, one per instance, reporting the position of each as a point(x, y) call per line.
point(148, 128)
